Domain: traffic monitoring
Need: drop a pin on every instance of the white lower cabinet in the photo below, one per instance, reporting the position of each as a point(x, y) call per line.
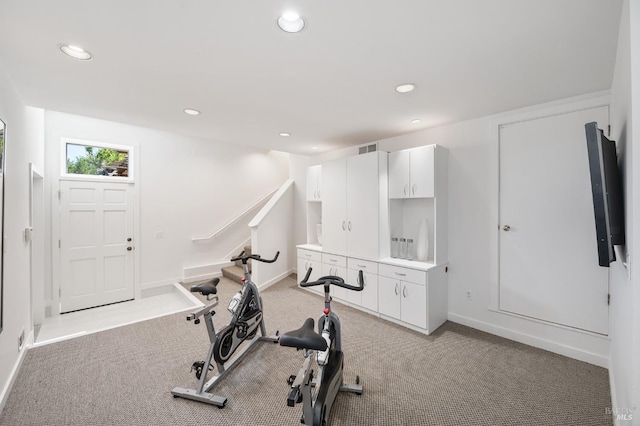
point(416, 298)
point(310, 259)
point(403, 294)
point(368, 297)
point(335, 265)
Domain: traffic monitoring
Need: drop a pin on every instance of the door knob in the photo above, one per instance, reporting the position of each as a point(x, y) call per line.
point(128, 239)
point(129, 248)
point(506, 228)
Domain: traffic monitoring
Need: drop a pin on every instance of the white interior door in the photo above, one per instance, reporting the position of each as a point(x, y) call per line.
point(548, 257)
point(96, 244)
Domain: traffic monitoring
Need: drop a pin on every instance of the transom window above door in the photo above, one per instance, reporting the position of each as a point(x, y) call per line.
point(96, 160)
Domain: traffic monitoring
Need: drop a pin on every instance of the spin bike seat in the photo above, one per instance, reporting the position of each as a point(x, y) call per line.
point(206, 288)
point(304, 338)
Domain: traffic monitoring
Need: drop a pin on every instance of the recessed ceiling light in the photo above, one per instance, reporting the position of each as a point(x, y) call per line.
point(314, 147)
point(405, 88)
point(190, 111)
point(75, 52)
point(285, 134)
point(415, 121)
point(290, 22)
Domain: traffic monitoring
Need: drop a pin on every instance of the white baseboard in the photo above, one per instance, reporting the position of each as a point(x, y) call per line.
point(14, 372)
point(274, 280)
point(612, 390)
point(548, 345)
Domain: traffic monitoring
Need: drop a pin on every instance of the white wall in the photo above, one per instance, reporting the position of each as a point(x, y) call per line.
point(625, 294)
point(185, 188)
point(298, 165)
point(23, 146)
point(472, 230)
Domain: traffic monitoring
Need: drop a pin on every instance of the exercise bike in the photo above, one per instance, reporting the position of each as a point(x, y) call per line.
point(326, 345)
point(246, 319)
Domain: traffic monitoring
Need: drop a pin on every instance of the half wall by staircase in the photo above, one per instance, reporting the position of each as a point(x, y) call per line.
point(271, 231)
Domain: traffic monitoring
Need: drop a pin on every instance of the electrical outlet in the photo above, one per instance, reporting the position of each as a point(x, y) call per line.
point(21, 339)
point(468, 294)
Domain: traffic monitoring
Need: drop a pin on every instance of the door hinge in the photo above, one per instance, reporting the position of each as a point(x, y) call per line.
point(609, 130)
point(609, 299)
point(59, 244)
point(59, 194)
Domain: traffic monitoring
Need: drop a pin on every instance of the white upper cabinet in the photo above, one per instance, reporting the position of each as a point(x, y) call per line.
point(411, 173)
point(354, 206)
point(314, 176)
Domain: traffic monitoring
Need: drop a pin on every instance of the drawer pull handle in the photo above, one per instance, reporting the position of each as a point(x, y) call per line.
point(404, 292)
point(361, 266)
point(401, 275)
point(396, 290)
point(333, 260)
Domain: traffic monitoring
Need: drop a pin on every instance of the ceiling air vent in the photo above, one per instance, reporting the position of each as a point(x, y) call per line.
point(367, 148)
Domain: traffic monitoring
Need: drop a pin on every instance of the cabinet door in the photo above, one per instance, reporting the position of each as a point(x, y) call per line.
point(399, 174)
point(370, 292)
point(422, 168)
point(334, 206)
point(353, 297)
point(313, 183)
point(316, 270)
point(413, 308)
point(389, 296)
point(362, 205)
point(337, 293)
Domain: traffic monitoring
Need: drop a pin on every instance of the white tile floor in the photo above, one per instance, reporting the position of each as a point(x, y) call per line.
point(74, 324)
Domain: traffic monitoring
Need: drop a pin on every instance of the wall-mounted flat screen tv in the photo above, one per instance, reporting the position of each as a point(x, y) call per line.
point(606, 187)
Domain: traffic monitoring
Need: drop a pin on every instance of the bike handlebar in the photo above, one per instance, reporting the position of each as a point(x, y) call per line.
point(244, 258)
point(332, 279)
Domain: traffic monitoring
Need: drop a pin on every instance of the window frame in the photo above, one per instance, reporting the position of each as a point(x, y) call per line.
point(100, 178)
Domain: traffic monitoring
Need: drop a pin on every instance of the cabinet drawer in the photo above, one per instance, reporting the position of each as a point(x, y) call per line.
point(363, 265)
point(334, 260)
point(404, 274)
point(310, 255)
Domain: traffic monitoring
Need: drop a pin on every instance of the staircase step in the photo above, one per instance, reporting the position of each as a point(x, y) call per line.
point(247, 250)
point(234, 273)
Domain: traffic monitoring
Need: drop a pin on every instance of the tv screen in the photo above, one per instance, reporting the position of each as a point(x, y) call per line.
point(606, 188)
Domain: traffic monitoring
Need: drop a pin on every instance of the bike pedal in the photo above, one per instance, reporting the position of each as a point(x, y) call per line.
point(198, 366)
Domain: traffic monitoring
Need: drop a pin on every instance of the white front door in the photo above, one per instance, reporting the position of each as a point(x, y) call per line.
point(96, 244)
point(548, 256)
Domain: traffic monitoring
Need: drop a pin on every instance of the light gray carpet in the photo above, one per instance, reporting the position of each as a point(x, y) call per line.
point(456, 376)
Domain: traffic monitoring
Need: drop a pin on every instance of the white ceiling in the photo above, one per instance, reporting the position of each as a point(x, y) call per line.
point(330, 86)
